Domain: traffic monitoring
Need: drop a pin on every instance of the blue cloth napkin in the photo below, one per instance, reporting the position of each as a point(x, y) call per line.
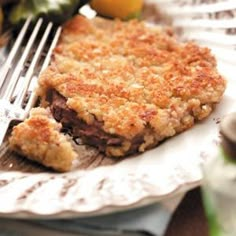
point(151, 220)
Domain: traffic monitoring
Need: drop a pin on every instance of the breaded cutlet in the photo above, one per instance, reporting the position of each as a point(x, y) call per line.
point(123, 87)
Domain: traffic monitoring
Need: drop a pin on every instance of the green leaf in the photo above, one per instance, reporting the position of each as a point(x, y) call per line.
point(57, 11)
point(214, 226)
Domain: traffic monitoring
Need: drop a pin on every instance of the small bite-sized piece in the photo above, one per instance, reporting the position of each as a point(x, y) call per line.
point(39, 139)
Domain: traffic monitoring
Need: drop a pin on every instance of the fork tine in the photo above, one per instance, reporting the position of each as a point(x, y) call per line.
point(20, 97)
point(15, 76)
point(8, 110)
point(33, 97)
point(53, 44)
point(15, 48)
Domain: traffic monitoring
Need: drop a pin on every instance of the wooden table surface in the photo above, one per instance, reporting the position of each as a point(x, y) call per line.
point(189, 219)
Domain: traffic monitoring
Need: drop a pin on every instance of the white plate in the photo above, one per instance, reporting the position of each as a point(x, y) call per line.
point(171, 168)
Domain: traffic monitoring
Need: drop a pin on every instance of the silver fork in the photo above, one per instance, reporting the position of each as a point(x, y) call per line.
point(14, 86)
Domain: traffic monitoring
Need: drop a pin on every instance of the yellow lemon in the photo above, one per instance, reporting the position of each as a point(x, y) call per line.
point(123, 9)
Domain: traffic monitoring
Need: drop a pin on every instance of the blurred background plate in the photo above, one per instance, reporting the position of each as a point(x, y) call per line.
point(211, 23)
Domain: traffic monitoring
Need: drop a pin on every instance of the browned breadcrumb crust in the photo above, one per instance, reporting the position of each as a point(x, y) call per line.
point(39, 139)
point(136, 79)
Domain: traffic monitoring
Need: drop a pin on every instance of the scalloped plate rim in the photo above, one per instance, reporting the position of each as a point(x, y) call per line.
point(104, 209)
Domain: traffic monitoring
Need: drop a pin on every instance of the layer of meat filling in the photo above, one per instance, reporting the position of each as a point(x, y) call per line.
point(90, 134)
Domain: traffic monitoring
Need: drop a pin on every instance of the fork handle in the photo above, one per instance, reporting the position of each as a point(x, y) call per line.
point(4, 124)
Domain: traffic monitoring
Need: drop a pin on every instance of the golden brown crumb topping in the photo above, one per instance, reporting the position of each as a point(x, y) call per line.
point(39, 139)
point(131, 77)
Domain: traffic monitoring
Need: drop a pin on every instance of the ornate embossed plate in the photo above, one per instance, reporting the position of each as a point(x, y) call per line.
point(102, 185)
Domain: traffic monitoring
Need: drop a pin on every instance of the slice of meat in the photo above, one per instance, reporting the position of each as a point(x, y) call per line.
point(91, 134)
